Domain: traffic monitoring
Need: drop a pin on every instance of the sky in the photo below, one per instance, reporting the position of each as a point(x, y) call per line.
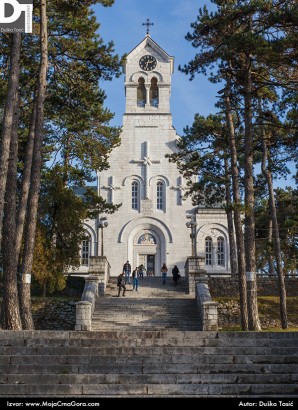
point(123, 24)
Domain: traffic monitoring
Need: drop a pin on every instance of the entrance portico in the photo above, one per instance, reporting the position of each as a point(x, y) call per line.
point(146, 240)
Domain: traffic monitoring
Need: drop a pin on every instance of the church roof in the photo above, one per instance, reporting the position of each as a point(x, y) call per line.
point(150, 43)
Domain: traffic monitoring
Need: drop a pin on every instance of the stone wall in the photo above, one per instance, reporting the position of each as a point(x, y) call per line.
point(53, 314)
point(267, 286)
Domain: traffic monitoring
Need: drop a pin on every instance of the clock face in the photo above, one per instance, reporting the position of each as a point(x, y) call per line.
point(147, 62)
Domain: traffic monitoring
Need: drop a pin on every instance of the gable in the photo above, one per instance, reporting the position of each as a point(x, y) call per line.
point(151, 47)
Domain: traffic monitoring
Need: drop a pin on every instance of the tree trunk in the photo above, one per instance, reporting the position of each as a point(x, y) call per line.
point(253, 314)
point(8, 118)
point(31, 219)
point(21, 214)
point(233, 252)
point(277, 250)
point(270, 256)
point(11, 312)
point(237, 208)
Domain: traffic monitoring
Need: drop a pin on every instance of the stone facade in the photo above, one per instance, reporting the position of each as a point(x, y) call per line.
point(150, 226)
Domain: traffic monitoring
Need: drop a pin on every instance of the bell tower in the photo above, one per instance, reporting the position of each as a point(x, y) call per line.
point(148, 70)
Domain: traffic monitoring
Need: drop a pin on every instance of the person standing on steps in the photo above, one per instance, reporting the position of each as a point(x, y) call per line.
point(164, 271)
point(121, 284)
point(127, 271)
point(176, 275)
point(141, 271)
point(135, 279)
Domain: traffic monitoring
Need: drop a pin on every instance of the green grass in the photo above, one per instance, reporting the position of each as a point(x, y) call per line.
point(269, 313)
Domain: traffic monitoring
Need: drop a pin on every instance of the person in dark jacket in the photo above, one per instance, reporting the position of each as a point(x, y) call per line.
point(121, 284)
point(141, 271)
point(127, 272)
point(176, 275)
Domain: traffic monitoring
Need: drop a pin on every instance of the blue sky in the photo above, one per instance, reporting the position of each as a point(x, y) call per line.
point(122, 24)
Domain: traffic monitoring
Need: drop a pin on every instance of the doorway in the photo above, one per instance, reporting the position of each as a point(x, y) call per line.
point(149, 262)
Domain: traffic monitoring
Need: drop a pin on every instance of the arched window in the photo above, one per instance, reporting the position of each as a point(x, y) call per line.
point(135, 195)
point(154, 93)
point(159, 195)
point(85, 251)
point(220, 251)
point(208, 251)
point(141, 93)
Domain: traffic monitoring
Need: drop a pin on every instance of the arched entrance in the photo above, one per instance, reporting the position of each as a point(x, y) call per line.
point(147, 250)
point(147, 239)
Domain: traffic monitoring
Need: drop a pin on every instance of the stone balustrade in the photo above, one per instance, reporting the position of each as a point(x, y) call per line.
point(95, 286)
point(197, 285)
point(207, 308)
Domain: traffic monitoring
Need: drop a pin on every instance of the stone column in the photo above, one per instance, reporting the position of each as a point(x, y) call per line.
point(83, 315)
point(147, 104)
point(99, 266)
point(193, 270)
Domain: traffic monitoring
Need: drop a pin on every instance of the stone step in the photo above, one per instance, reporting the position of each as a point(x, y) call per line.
point(62, 335)
point(256, 337)
point(141, 390)
point(164, 360)
point(135, 350)
point(139, 369)
point(154, 306)
point(145, 351)
point(139, 337)
point(138, 326)
point(202, 345)
point(160, 378)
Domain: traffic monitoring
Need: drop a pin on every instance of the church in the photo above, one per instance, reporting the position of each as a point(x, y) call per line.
point(150, 226)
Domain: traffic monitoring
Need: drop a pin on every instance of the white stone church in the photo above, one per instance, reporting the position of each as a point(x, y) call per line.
point(150, 226)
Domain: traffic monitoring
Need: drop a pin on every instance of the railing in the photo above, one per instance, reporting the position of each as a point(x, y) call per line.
point(197, 285)
point(95, 285)
point(207, 308)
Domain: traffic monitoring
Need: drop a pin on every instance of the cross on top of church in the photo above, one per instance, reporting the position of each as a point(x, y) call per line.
point(148, 24)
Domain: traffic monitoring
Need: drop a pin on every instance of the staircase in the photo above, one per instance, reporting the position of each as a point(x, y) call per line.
point(154, 306)
point(147, 344)
point(150, 363)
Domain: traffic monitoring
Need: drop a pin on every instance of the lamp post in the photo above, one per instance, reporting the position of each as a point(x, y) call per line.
point(102, 223)
point(192, 224)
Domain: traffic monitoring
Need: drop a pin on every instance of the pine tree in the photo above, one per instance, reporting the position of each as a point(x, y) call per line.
point(78, 59)
point(252, 45)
